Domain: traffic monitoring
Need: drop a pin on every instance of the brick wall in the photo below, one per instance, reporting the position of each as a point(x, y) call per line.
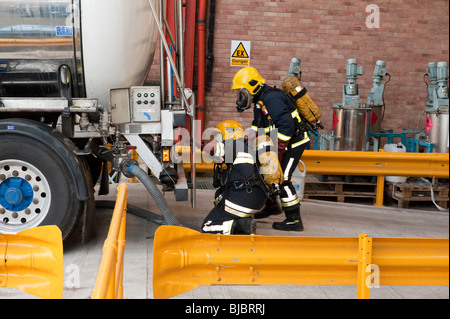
point(324, 35)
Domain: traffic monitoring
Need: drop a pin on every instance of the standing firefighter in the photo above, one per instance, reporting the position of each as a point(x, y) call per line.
point(243, 176)
point(275, 112)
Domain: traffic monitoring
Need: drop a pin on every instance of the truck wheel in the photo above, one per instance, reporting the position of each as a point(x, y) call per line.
point(35, 188)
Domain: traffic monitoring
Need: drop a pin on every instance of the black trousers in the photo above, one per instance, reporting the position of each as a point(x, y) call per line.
point(238, 201)
point(288, 196)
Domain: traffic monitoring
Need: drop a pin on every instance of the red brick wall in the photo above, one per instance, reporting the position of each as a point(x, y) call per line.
point(324, 35)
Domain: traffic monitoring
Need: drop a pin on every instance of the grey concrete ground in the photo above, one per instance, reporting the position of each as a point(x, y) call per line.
point(321, 219)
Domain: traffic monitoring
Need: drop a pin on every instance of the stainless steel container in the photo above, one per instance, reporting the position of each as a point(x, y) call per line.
point(439, 134)
point(353, 129)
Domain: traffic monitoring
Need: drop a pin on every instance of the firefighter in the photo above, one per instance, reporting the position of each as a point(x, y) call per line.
point(274, 111)
point(242, 189)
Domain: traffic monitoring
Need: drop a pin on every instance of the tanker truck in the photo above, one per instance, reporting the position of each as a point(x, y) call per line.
point(74, 104)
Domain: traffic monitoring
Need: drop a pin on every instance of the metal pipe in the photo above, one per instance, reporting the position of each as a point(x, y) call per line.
point(161, 57)
point(181, 47)
point(194, 154)
point(167, 50)
point(201, 24)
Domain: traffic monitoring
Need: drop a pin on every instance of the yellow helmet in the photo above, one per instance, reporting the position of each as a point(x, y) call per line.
point(248, 81)
point(231, 130)
point(248, 78)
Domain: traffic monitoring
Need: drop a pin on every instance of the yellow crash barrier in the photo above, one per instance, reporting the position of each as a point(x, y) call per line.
point(184, 259)
point(379, 164)
point(359, 163)
point(32, 261)
point(109, 283)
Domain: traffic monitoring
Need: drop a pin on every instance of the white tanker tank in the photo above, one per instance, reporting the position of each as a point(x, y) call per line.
point(73, 104)
point(106, 44)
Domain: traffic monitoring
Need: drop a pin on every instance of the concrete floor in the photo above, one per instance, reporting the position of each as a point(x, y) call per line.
point(321, 219)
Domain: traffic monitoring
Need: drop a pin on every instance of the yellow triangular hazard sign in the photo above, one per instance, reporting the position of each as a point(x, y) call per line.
point(240, 52)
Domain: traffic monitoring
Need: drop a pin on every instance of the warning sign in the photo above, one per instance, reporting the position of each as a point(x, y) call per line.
point(240, 53)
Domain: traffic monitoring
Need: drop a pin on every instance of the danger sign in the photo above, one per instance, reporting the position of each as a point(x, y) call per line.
point(240, 53)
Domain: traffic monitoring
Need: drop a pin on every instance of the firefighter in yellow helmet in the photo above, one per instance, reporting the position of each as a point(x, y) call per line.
point(242, 190)
point(275, 114)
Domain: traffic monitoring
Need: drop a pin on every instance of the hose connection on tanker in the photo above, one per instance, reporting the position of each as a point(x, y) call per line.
point(130, 168)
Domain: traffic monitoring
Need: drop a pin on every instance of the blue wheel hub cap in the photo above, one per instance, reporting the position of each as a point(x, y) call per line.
point(16, 194)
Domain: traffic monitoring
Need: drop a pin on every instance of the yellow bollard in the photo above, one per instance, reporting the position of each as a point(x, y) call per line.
point(32, 261)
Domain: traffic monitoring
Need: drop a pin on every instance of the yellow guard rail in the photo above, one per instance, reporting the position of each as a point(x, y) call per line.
point(379, 164)
point(184, 259)
point(109, 284)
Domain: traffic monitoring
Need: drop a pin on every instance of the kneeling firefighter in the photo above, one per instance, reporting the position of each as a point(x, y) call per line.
point(275, 111)
point(245, 177)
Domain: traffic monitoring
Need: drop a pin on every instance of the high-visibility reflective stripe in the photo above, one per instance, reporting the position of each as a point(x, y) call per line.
point(296, 115)
point(290, 204)
point(244, 158)
point(290, 196)
point(238, 210)
point(225, 228)
point(288, 169)
point(264, 145)
point(266, 129)
point(305, 140)
point(284, 137)
point(270, 129)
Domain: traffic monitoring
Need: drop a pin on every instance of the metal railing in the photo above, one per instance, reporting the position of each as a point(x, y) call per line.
point(185, 259)
point(379, 164)
point(109, 283)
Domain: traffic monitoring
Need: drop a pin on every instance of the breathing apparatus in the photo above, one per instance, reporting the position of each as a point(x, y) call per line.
point(248, 82)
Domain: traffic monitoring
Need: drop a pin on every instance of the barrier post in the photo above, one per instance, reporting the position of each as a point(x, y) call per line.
point(110, 275)
point(380, 191)
point(364, 267)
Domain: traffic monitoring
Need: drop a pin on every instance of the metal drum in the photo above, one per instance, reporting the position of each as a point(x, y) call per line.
point(353, 129)
point(94, 45)
point(439, 133)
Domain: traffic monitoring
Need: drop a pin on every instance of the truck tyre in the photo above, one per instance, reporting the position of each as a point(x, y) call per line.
point(35, 187)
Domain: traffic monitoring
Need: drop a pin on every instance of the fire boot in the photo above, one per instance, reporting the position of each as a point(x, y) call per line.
point(243, 226)
point(272, 208)
point(293, 222)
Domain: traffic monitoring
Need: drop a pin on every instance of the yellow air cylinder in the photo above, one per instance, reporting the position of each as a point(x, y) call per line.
point(268, 159)
point(305, 104)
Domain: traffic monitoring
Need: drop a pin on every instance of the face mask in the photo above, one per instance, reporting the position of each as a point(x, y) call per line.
point(244, 101)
